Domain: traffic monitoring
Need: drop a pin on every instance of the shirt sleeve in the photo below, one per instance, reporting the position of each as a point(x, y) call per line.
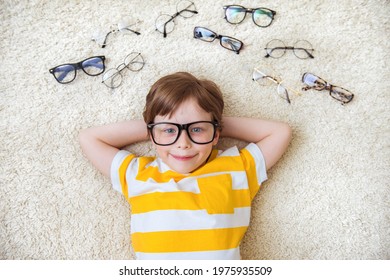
point(255, 168)
point(261, 170)
point(118, 172)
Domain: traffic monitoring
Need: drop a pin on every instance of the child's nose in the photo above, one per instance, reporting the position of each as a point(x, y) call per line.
point(184, 141)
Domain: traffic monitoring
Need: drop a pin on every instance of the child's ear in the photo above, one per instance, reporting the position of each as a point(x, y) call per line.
point(216, 138)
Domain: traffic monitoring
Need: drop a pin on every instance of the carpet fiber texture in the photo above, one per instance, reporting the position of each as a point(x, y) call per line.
point(327, 198)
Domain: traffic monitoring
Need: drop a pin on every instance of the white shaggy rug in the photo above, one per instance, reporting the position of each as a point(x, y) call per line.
point(327, 198)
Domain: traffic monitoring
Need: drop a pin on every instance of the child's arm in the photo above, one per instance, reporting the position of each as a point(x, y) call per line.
point(101, 144)
point(272, 137)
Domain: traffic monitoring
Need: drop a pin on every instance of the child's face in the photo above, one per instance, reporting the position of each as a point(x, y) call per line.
point(184, 156)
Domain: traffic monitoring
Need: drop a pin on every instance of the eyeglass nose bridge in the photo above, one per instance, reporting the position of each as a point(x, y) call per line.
point(121, 67)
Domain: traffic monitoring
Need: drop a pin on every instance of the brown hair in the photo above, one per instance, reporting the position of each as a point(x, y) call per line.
point(167, 93)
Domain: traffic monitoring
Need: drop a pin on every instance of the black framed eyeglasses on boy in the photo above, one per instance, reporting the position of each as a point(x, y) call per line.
point(167, 133)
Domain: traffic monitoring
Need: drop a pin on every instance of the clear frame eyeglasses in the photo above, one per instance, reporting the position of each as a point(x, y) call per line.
point(262, 17)
point(66, 73)
point(126, 26)
point(227, 42)
point(167, 133)
point(277, 48)
point(112, 78)
point(165, 23)
point(314, 82)
point(267, 79)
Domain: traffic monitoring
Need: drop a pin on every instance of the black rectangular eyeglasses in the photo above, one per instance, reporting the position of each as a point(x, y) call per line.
point(66, 73)
point(167, 133)
point(227, 42)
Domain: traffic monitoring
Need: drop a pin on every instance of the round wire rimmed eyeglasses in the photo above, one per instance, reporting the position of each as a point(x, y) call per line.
point(165, 23)
point(112, 78)
point(167, 133)
point(266, 79)
point(277, 48)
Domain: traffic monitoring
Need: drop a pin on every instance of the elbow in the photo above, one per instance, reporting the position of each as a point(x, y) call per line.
point(286, 133)
point(289, 132)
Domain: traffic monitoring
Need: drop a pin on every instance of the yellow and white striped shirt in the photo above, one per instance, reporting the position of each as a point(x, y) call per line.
point(201, 215)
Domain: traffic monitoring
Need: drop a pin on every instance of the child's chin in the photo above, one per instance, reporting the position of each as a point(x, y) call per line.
point(183, 169)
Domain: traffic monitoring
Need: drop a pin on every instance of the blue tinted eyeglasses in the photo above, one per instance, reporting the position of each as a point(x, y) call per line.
point(66, 73)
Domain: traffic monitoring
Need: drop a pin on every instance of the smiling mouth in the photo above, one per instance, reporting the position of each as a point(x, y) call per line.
point(182, 158)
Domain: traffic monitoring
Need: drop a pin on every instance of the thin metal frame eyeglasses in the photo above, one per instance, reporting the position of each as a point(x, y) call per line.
point(113, 77)
point(236, 14)
point(92, 66)
point(193, 129)
point(277, 48)
point(123, 27)
point(314, 82)
point(230, 43)
point(165, 23)
point(282, 90)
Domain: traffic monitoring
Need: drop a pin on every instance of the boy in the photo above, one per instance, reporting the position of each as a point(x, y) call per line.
point(191, 201)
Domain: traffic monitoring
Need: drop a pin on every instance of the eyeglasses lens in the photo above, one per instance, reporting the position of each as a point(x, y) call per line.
point(134, 61)
point(93, 66)
point(199, 133)
point(99, 36)
point(303, 49)
point(261, 78)
point(231, 44)
point(235, 14)
point(204, 34)
point(127, 25)
point(164, 23)
point(112, 78)
point(314, 81)
point(275, 48)
point(65, 73)
point(341, 94)
point(262, 17)
point(186, 8)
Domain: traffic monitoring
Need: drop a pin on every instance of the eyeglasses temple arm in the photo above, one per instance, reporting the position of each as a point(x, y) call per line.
point(136, 32)
point(105, 39)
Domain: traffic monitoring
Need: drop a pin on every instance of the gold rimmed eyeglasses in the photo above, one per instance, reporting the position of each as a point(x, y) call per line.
point(266, 79)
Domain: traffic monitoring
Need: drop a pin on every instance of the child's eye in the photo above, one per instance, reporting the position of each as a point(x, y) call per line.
point(197, 129)
point(169, 130)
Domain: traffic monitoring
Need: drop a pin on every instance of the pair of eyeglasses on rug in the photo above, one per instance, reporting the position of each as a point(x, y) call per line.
point(266, 79)
point(126, 26)
point(227, 42)
point(277, 48)
point(236, 14)
point(165, 23)
point(66, 73)
point(167, 133)
point(314, 82)
point(112, 78)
